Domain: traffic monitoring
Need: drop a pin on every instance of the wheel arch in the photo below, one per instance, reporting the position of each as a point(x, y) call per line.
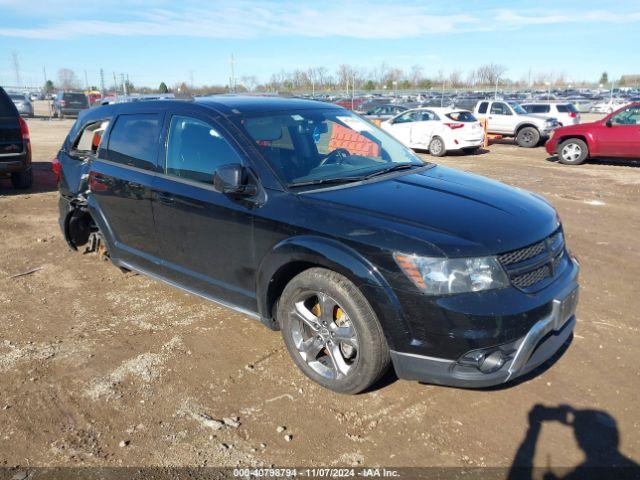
point(294, 255)
point(525, 124)
point(585, 138)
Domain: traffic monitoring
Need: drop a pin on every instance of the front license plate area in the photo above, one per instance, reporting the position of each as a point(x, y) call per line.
point(567, 308)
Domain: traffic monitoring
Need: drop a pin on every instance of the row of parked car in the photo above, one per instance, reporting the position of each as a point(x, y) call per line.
point(444, 129)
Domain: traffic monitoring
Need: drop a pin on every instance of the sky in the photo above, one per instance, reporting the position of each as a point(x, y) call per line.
point(184, 40)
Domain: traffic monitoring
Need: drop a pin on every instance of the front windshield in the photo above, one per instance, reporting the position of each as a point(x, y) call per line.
point(316, 146)
point(518, 108)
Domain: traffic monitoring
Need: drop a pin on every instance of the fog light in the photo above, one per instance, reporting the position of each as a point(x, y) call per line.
point(492, 362)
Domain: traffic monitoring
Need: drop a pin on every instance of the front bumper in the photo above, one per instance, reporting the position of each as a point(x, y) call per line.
point(540, 342)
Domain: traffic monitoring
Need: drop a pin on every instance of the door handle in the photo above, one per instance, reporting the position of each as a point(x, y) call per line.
point(166, 198)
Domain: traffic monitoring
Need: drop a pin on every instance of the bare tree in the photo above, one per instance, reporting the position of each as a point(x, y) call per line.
point(455, 79)
point(250, 82)
point(490, 73)
point(416, 75)
point(67, 79)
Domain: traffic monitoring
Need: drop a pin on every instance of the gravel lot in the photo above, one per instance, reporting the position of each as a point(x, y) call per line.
point(98, 367)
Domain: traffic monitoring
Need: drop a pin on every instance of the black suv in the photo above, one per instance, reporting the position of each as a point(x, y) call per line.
point(311, 219)
point(69, 104)
point(15, 146)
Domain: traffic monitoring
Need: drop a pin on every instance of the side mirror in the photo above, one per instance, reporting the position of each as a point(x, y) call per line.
point(609, 122)
point(232, 179)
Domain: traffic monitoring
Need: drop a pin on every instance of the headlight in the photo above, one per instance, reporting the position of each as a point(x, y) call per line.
point(441, 276)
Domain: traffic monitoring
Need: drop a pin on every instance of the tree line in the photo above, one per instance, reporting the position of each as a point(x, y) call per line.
point(348, 78)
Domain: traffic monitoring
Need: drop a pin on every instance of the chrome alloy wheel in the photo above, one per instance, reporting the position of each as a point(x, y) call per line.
point(324, 335)
point(571, 152)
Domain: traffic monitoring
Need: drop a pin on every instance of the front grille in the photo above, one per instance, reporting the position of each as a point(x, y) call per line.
point(532, 264)
point(522, 254)
point(531, 278)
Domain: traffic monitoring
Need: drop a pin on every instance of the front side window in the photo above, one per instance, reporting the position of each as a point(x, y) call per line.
point(195, 150)
point(629, 116)
point(498, 108)
point(133, 141)
point(328, 145)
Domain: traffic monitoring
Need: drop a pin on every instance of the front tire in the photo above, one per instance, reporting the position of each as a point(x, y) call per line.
point(573, 151)
point(22, 180)
point(528, 137)
point(471, 150)
point(331, 331)
point(436, 147)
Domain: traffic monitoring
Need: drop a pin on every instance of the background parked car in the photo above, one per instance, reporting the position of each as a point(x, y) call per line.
point(69, 104)
point(385, 112)
point(15, 146)
point(438, 130)
point(511, 120)
point(22, 103)
point(608, 106)
point(616, 135)
point(565, 113)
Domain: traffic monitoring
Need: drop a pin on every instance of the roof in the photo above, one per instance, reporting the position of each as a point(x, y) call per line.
point(442, 110)
point(248, 104)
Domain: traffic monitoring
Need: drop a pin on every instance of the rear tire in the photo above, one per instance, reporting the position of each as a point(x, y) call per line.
point(573, 152)
point(436, 147)
point(22, 180)
point(528, 137)
point(317, 309)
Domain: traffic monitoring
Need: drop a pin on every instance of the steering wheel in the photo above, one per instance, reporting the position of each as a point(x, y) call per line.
point(338, 155)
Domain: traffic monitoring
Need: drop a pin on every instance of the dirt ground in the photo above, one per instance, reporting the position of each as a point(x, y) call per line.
point(103, 368)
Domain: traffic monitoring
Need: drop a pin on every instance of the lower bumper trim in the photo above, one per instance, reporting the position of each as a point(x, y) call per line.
point(542, 341)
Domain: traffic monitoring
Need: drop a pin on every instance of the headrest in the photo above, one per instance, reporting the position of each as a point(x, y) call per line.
point(263, 129)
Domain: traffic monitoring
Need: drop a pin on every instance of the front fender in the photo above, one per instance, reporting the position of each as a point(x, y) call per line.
point(314, 251)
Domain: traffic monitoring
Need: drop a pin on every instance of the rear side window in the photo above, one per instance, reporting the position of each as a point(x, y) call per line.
point(537, 108)
point(134, 140)
point(483, 107)
point(567, 108)
point(89, 140)
point(461, 116)
point(196, 150)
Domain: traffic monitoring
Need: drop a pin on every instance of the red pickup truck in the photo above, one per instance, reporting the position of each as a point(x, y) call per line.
point(616, 135)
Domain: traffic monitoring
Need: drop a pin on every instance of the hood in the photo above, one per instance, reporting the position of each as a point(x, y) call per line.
point(460, 214)
point(540, 117)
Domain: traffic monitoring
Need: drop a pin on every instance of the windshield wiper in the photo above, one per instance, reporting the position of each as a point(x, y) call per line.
point(394, 168)
point(326, 181)
point(336, 180)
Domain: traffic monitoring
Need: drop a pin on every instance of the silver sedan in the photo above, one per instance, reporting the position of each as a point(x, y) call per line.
point(23, 104)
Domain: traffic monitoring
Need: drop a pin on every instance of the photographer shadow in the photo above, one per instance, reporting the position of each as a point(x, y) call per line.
point(596, 433)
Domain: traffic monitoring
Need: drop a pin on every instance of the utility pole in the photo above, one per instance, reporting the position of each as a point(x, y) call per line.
point(232, 79)
point(115, 84)
point(44, 74)
point(353, 89)
point(16, 69)
point(86, 81)
point(124, 85)
point(103, 90)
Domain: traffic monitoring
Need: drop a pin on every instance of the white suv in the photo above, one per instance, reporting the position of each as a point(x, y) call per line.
point(566, 113)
